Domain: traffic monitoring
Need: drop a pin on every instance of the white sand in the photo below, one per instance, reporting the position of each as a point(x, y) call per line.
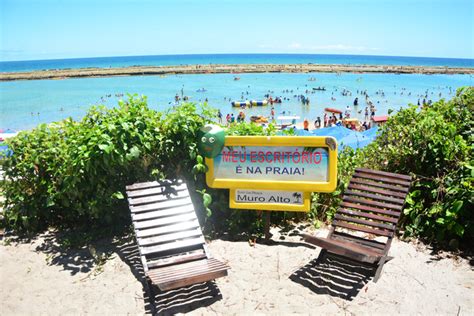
point(39, 278)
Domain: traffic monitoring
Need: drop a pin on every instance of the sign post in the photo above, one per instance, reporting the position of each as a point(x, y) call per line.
point(275, 173)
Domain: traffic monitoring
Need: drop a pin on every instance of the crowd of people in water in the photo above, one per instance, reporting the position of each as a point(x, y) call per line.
point(329, 118)
point(284, 102)
point(348, 118)
point(302, 96)
point(230, 118)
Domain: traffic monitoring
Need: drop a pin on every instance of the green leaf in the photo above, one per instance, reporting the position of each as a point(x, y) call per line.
point(133, 154)
point(459, 229)
point(105, 147)
point(207, 199)
point(118, 195)
point(456, 206)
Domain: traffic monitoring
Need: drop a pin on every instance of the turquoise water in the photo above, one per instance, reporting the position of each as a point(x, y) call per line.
point(24, 104)
point(163, 60)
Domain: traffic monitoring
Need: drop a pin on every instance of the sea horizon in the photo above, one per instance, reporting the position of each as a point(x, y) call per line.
point(226, 58)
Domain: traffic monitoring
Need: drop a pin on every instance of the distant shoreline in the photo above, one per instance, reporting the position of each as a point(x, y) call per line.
point(235, 69)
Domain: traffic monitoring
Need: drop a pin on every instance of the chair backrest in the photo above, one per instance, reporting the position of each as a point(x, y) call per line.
point(372, 203)
point(165, 223)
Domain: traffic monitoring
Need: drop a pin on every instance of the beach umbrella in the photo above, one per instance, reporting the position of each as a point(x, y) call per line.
point(344, 136)
point(338, 132)
point(4, 134)
point(302, 132)
point(354, 140)
point(371, 132)
point(4, 151)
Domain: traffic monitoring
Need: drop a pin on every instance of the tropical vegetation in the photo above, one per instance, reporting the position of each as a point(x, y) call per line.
point(72, 174)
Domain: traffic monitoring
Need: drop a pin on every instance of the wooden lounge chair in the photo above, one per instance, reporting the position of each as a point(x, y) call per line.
point(371, 207)
point(171, 245)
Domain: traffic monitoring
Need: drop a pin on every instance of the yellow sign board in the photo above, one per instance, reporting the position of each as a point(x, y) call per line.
point(282, 163)
point(270, 200)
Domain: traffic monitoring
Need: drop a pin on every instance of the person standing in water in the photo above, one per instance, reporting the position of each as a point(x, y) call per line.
point(317, 123)
point(306, 124)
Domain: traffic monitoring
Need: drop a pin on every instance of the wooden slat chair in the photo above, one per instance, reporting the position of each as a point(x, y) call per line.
point(171, 245)
point(371, 207)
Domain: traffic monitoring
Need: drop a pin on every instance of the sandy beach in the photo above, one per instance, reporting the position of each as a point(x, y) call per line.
point(284, 277)
point(225, 68)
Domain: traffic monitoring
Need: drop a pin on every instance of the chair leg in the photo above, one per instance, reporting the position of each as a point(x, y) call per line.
point(213, 287)
point(379, 268)
point(323, 253)
point(151, 295)
point(322, 256)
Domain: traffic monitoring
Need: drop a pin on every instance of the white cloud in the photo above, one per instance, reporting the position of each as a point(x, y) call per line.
point(343, 48)
point(298, 47)
point(295, 46)
point(330, 48)
point(266, 46)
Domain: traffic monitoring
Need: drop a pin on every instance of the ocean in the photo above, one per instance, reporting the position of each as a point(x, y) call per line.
point(25, 104)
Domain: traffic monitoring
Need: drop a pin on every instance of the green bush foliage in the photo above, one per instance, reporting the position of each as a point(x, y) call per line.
point(72, 174)
point(251, 129)
point(434, 145)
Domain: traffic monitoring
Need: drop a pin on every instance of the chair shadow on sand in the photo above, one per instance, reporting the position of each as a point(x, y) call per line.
point(334, 275)
point(171, 302)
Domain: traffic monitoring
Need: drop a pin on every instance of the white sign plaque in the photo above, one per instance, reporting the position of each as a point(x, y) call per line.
point(270, 200)
point(268, 197)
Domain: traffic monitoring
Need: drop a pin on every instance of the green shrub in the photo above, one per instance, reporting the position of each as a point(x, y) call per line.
point(72, 174)
point(251, 129)
point(177, 136)
point(435, 146)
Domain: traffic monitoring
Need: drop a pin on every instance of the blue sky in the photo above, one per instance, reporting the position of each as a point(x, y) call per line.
point(51, 29)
